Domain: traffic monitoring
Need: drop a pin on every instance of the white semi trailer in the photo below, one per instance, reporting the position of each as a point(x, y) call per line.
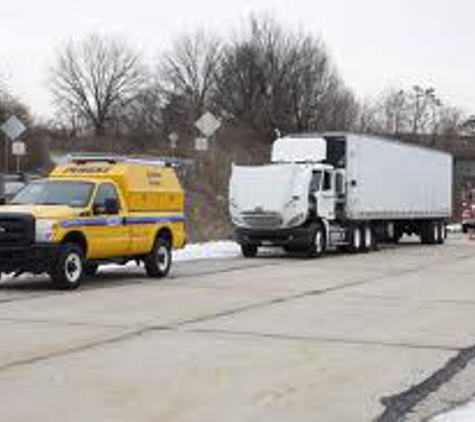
point(341, 190)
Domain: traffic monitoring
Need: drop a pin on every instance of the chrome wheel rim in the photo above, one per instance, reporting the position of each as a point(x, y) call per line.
point(163, 258)
point(368, 237)
point(318, 242)
point(73, 267)
point(356, 239)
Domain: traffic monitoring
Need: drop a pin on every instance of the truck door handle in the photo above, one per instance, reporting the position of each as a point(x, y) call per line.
point(353, 183)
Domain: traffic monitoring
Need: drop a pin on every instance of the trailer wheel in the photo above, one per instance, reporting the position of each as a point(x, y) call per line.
point(441, 235)
point(318, 245)
point(356, 239)
point(429, 232)
point(249, 251)
point(159, 260)
point(368, 243)
point(68, 270)
point(394, 233)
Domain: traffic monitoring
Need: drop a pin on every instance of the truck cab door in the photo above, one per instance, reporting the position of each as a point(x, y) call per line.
point(108, 236)
point(326, 196)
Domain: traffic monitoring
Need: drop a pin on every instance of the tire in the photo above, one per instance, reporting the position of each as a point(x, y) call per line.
point(429, 232)
point(442, 233)
point(249, 251)
point(159, 260)
point(91, 269)
point(356, 239)
point(68, 270)
point(464, 229)
point(394, 234)
point(368, 242)
point(318, 246)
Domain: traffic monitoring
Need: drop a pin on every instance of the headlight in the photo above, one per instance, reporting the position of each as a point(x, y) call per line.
point(45, 230)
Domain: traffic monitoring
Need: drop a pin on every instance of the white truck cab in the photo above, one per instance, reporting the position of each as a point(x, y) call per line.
point(337, 190)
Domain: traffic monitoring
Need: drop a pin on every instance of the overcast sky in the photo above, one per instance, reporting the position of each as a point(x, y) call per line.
point(375, 43)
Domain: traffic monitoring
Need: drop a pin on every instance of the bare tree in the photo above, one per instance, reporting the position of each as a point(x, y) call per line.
point(276, 79)
point(189, 69)
point(393, 109)
point(143, 116)
point(94, 78)
point(422, 108)
point(468, 126)
point(9, 105)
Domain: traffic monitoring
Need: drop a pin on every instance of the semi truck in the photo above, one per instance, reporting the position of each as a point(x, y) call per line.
point(341, 190)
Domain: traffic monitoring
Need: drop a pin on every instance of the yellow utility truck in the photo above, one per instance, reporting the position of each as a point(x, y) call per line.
point(90, 211)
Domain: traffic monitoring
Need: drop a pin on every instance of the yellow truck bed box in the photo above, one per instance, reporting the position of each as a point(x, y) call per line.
point(146, 188)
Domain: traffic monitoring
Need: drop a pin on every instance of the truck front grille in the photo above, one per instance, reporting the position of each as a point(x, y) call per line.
point(262, 220)
point(16, 230)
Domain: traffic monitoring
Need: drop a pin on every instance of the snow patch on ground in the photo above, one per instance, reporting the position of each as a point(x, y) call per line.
point(462, 414)
point(454, 228)
point(222, 249)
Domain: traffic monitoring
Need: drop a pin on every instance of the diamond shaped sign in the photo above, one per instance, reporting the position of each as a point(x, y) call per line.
point(13, 128)
point(207, 124)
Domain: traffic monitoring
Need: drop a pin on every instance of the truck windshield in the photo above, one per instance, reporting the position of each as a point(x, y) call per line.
point(49, 192)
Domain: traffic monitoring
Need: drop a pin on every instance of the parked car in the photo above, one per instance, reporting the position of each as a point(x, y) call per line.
point(11, 184)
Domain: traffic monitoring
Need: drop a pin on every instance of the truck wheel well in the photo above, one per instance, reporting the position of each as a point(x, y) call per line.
point(77, 238)
point(165, 234)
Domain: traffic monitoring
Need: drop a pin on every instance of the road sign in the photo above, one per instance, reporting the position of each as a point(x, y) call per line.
point(18, 148)
point(207, 124)
point(173, 137)
point(201, 144)
point(13, 128)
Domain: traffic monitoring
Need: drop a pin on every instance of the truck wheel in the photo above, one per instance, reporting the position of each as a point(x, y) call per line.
point(394, 233)
point(68, 270)
point(441, 235)
point(249, 251)
point(319, 245)
point(368, 243)
point(429, 232)
point(159, 260)
point(90, 269)
point(356, 239)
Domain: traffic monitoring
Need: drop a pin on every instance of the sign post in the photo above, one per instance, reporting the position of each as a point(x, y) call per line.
point(207, 124)
point(13, 128)
point(18, 150)
point(173, 138)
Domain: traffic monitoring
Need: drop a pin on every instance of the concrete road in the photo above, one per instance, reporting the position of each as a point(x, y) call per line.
point(343, 338)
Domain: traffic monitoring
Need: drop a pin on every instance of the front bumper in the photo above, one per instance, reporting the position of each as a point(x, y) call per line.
point(296, 237)
point(36, 258)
